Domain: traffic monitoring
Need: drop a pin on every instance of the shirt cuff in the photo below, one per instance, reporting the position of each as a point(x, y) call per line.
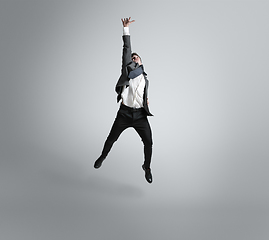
point(126, 31)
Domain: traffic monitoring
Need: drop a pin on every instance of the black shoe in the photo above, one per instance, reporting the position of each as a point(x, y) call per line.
point(148, 175)
point(98, 162)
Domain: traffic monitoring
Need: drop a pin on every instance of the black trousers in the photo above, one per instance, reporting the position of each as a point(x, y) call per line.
point(130, 117)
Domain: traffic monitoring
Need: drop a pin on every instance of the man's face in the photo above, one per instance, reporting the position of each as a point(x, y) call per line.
point(136, 59)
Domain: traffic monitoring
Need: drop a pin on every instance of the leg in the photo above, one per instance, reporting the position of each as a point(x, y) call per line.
point(142, 127)
point(120, 124)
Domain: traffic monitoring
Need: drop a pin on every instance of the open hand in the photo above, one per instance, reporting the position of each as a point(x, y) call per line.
point(126, 21)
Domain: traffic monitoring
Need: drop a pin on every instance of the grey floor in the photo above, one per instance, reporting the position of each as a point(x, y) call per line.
point(48, 197)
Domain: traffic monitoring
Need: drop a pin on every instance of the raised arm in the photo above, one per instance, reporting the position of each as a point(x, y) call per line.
point(126, 54)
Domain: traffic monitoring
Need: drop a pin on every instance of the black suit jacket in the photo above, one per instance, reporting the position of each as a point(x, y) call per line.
point(127, 66)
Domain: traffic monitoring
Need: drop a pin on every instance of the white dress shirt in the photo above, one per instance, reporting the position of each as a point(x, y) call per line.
point(132, 96)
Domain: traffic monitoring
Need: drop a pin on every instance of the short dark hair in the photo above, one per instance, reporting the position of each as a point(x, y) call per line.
point(135, 54)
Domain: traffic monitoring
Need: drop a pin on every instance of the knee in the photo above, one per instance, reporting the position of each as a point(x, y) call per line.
point(111, 140)
point(148, 143)
point(112, 137)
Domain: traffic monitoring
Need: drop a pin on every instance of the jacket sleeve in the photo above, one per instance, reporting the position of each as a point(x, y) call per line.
point(126, 54)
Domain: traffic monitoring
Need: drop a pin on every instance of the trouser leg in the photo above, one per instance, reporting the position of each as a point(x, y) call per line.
point(142, 127)
point(119, 125)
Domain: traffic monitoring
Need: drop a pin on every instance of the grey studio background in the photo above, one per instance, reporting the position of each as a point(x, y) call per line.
point(207, 62)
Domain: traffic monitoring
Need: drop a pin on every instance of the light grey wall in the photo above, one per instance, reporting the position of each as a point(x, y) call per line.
point(207, 62)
